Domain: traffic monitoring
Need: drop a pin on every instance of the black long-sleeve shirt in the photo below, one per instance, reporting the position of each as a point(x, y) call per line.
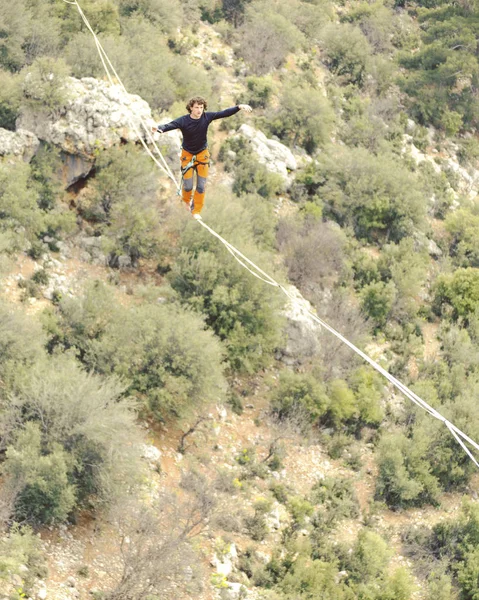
point(194, 130)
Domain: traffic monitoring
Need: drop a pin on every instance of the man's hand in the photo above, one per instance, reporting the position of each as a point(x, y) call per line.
point(246, 107)
point(155, 130)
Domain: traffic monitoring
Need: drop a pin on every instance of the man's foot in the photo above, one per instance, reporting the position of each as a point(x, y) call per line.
point(197, 217)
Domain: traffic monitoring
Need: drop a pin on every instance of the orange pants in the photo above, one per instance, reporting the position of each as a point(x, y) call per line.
point(200, 166)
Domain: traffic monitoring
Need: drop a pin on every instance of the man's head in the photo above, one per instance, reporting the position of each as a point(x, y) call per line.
point(197, 105)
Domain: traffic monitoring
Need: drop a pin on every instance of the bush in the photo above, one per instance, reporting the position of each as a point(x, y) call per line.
point(370, 557)
point(405, 477)
point(346, 51)
point(87, 434)
point(313, 579)
point(19, 210)
point(45, 84)
point(462, 226)
point(122, 196)
point(21, 344)
point(177, 364)
point(304, 118)
point(336, 498)
point(377, 300)
point(259, 91)
point(18, 549)
point(45, 493)
point(299, 392)
point(10, 95)
point(300, 242)
point(459, 291)
point(377, 196)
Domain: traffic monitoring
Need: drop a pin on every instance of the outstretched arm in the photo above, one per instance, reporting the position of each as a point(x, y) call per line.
point(246, 107)
point(166, 127)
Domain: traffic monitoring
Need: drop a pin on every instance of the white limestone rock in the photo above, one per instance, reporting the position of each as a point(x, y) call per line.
point(302, 339)
point(276, 157)
point(97, 115)
point(21, 144)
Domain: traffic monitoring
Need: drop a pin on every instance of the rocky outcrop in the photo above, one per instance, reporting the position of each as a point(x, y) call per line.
point(302, 341)
point(274, 155)
point(22, 144)
point(97, 115)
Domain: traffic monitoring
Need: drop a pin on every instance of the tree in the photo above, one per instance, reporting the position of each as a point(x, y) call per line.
point(298, 392)
point(156, 553)
point(234, 11)
point(377, 196)
point(176, 366)
point(20, 214)
point(265, 40)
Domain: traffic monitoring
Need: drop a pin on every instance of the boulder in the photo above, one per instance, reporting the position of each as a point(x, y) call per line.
point(274, 155)
point(22, 144)
point(98, 115)
point(302, 340)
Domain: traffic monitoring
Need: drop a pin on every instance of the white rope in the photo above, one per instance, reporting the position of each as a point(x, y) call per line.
point(456, 432)
point(250, 266)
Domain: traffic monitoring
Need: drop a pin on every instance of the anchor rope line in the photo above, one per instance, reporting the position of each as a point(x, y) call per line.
point(257, 272)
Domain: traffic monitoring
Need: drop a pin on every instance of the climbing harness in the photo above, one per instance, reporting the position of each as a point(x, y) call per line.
point(193, 163)
point(250, 266)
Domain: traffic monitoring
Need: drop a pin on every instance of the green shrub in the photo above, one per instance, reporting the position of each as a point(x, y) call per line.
point(19, 210)
point(259, 91)
point(377, 300)
point(18, 549)
point(45, 492)
point(370, 556)
point(89, 440)
point(309, 579)
point(299, 392)
point(405, 477)
point(45, 84)
point(347, 51)
point(462, 226)
point(304, 117)
point(336, 498)
point(368, 388)
point(458, 291)
point(10, 95)
point(256, 524)
point(21, 344)
point(299, 508)
point(377, 196)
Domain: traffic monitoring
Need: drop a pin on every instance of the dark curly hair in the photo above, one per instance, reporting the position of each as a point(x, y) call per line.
point(196, 100)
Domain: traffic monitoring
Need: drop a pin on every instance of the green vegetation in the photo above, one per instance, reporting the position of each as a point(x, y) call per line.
point(381, 239)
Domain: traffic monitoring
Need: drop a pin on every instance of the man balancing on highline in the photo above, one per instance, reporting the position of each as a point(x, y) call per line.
point(195, 155)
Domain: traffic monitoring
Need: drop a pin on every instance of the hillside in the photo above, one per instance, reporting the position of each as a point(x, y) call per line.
point(171, 427)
